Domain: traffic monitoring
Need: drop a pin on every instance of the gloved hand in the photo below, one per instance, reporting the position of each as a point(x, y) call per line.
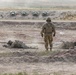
point(54, 35)
point(42, 35)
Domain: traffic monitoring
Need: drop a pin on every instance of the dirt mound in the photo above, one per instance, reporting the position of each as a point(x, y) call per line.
point(65, 56)
point(47, 57)
point(67, 45)
point(38, 24)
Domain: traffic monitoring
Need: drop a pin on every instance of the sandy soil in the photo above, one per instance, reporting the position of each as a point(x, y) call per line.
point(18, 60)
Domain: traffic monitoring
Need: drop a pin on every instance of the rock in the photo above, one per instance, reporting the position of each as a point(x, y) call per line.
point(12, 14)
point(24, 13)
point(36, 14)
point(67, 45)
point(44, 14)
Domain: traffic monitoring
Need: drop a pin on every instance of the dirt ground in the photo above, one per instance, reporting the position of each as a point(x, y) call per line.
point(33, 61)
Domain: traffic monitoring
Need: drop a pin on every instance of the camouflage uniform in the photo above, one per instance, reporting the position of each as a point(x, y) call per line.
point(48, 31)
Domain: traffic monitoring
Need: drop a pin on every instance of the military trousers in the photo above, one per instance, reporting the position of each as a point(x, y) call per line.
point(48, 38)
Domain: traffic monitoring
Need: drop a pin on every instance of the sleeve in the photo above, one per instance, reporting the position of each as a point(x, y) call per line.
point(53, 30)
point(43, 29)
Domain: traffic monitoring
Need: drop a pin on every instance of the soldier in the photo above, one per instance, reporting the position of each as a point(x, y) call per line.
point(48, 31)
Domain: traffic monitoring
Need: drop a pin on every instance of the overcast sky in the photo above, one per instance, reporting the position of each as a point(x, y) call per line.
point(27, 3)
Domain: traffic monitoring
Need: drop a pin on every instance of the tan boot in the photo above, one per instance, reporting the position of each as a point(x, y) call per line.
point(50, 49)
point(46, 49)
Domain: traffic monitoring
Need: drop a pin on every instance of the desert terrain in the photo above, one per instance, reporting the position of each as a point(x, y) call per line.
point(37, 61)
point(22, 20)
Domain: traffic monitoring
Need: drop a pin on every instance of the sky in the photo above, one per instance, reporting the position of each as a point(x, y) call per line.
point(29, 3)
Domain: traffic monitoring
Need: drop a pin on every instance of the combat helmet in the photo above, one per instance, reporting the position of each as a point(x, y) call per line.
point(48, 19)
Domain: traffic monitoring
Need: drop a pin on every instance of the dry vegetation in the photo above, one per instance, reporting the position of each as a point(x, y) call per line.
point(36, 61)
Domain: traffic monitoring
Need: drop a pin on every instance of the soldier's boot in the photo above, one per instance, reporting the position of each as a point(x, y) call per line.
point(46, 49)
point(51, 47)
point(50, 43)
